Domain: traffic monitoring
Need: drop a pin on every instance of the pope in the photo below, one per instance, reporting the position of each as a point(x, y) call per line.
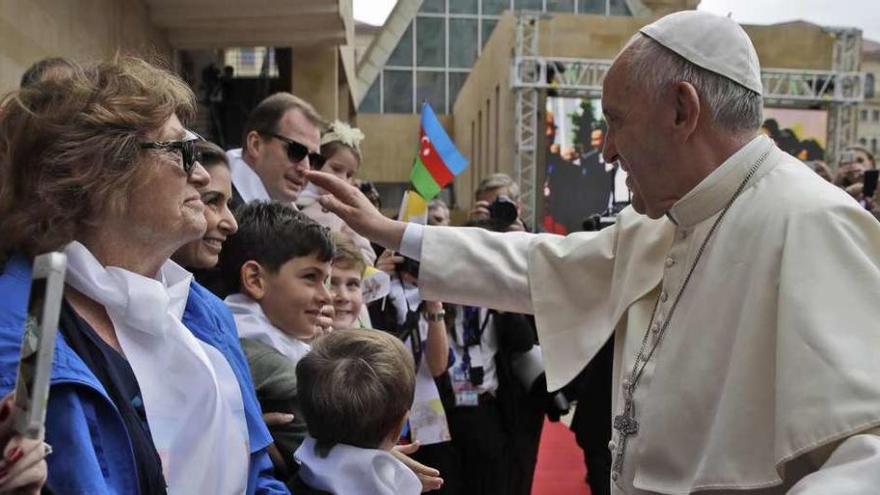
point(743, 290)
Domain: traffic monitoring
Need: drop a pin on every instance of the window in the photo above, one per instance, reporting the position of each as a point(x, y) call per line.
point(864, 115)
point(456, 81)
point(462, 43)
point(591, 7)
point(397, 91)
point(617, 7)
point(371, 101)
point(869, 86)
point(876, 115)
point(433, 6)
point(430, 42)
point(431, 86)
point(446, 37)
point(560, 5)
point(256, 61)
point(874, 146)
point(402, 54)
point(529, 4)
point(462, 6)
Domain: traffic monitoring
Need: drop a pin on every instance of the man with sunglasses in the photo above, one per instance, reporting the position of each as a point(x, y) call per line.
point(281, 141)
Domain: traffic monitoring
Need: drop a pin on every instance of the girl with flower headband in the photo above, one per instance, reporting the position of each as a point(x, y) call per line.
point(340, 147)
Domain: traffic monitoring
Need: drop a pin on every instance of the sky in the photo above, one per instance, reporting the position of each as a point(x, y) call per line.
point(864, 14)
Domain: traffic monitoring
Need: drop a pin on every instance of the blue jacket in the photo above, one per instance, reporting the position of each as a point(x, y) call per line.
point(93, 454)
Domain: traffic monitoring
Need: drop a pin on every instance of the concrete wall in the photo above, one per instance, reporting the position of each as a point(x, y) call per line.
point(82, 30)
point(390, 144)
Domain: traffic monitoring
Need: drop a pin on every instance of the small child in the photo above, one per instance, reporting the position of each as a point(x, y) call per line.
point(346, 284)
point(277, 267)
point(355, 390)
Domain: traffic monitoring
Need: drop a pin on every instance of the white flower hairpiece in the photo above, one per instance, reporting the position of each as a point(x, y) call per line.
point(344, 133)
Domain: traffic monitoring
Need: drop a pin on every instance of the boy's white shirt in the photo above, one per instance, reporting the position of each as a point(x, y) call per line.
point(252, 323)
point(348, 469)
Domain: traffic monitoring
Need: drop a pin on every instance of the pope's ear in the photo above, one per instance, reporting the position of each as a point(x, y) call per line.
point(253, 282)
point(687, 108)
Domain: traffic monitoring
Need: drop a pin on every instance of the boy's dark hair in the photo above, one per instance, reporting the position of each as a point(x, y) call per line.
point(271, 233)
point(355, 387)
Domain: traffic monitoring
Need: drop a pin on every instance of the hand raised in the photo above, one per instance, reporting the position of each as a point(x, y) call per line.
point(350, 204)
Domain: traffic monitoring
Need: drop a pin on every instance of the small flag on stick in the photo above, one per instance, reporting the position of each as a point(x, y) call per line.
point(438, 161)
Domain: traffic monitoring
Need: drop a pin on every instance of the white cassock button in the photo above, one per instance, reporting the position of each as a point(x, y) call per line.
point(684, 234)
point(669, 262)
point(655, 328)
point(663, 296)
point(612, 446)
point(614, 476)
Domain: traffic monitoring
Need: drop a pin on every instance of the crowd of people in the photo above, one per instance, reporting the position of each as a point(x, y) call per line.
point(228, 326)
point(198, 281)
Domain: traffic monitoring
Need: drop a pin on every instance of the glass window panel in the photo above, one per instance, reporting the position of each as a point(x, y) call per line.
point(430, 42)
point(618, 7)
point(398, 91)
point(456, 81)
point(462, 42)
point(433, 6)
point(488, 27)
point(402, 54)
point(560, 5)
point(495, 7)
point(462, 6)
point(591, 7)
point(370, 103)
point(528, 4)
point(431, 86)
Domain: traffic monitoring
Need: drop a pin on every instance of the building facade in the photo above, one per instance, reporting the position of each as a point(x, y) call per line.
point(869, 111)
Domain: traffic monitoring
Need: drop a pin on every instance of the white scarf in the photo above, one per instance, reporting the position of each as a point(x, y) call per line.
point(253, 324)
point(348, 469)
point(191, 395)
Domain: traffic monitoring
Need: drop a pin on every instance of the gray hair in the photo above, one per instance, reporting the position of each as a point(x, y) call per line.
point(495, 181)
point(437, 203)
point(733, 107)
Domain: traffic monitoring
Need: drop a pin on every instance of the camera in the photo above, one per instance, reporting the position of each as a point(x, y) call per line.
point(409, 265)
point(503, 211)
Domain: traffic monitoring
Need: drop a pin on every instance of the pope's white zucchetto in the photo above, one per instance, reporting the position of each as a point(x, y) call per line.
point(715, 43)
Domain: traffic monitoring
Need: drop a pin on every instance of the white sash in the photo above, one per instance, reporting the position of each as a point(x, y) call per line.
point(252, 323)
point(349, 469)
point(191, 395)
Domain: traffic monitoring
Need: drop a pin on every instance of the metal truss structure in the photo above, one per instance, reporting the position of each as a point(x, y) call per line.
point(838, 90)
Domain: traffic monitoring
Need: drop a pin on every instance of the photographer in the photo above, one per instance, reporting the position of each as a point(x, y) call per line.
point(497, 198)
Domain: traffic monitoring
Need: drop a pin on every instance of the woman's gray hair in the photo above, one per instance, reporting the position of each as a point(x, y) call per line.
point(733, 107)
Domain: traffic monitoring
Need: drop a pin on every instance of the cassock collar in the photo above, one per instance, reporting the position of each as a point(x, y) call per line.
point(713, 192)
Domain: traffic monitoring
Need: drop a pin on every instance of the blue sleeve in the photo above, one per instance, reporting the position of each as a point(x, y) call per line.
point(262, 480)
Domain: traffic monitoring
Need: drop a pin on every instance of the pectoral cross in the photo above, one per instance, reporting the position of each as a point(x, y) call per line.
point(626, 425)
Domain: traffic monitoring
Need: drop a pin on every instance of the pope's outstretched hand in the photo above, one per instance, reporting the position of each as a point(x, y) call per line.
point(350, 204)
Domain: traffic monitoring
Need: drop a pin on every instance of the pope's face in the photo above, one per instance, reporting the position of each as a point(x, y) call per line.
point(638, 136)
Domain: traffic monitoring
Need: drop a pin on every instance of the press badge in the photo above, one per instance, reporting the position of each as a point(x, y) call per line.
point(466, 394)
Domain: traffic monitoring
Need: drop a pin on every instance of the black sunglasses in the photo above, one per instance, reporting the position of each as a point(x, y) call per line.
point(296, 151)
point(189, 154)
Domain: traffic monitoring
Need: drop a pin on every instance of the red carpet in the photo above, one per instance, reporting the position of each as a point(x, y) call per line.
point(560, 469)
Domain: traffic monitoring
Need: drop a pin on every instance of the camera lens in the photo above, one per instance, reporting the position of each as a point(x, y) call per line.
point(503, 211)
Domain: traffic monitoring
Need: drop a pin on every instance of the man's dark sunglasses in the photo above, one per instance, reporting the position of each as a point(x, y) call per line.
point(189, 154)
point(296, 151)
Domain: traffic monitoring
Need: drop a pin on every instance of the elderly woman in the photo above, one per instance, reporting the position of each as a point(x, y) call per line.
point(149, 389)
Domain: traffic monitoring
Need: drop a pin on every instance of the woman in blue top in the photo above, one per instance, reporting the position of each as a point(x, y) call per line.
point(150, 392)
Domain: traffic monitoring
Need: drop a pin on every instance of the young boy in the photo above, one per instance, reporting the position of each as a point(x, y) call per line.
point(355, 390)
point(346, 284)
point(276, 267)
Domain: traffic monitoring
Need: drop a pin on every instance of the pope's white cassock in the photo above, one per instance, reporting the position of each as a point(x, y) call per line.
point(767, 379)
